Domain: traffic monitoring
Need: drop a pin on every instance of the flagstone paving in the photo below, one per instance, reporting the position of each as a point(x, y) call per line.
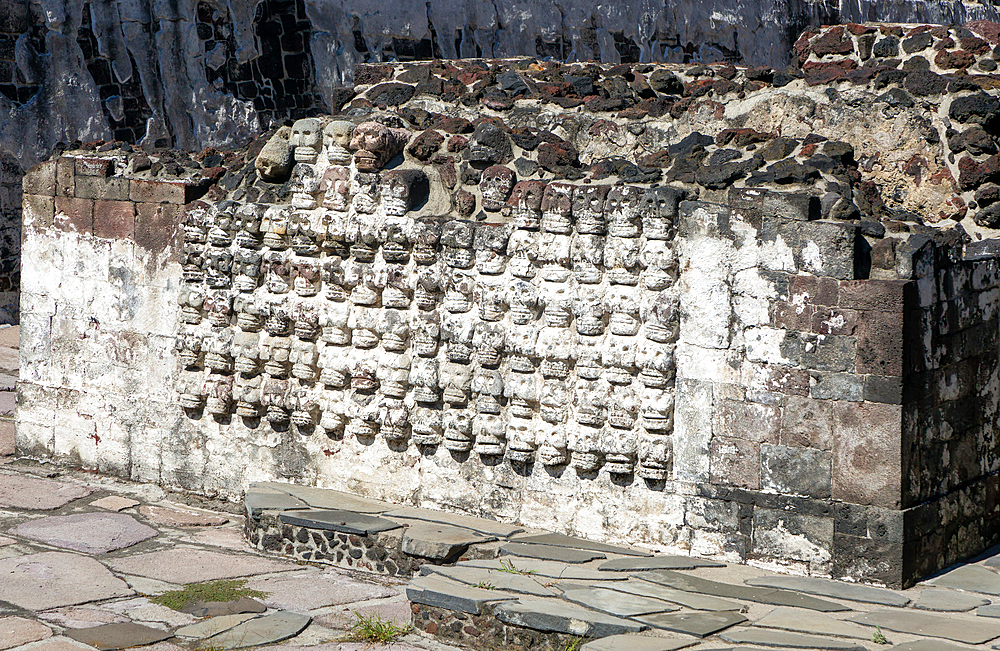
point(90, 533)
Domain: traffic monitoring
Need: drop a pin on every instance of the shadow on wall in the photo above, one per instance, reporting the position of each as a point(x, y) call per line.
point(10, 237)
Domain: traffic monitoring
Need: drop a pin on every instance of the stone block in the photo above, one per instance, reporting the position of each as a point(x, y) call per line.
point(792, 316)
point(884, 525)
point(879, 295)
point(815, 290)
point(94, 166)
point(735, 462)
point(867, 454)
point(880, 388)
point(880, 343)
point(40, 179)
point(749, 421)
point(114, 219)
point(861, 559)
point(792, 536)
point(820, 352)
point(65, 177)
point(826, 249)
point(74, 214)
point(807, 422)
point(836, 386)
point(142, 191)
point(795, 471)
point(157, 226)
point(775, 378)
point(834, 321)
point(100, 187)
point(37, 212)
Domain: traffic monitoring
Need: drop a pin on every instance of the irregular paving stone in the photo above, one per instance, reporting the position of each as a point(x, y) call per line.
point(219, 608)
point(989, 611)
point(15, 631)
point(562, 617)
point(550, 569)
point(789, 640)
point(397, 612)
point(508, 581)
point(20, 492)
point(973, 578)
point(81, 617)
point(258, 500)
point(141, 609)
point(118, 636)
point(791, 619)
point(948, 601)
point(212, 626)
point(439, 541)
point(315, 589)
point(60, 643)
point(688, 583)
point(657, 563)
point(342, 521)
point(833, 589)
point(928, 645)
point(687, 599)
point(697, 624)
point(324, 498)
point(442, 593)
point(261, 630)
point(114, 503)
point(90, 533)
point(185, 565)
point(925, 624)
point(54, 579)
point(617, 603)
point(4, 541)
point(177, 518)
point(561, 540)
point(228, 537)
point(549, 553)
point(481, 525)
point(635, 643)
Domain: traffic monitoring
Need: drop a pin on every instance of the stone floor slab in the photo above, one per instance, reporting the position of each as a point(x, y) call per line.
point(635, 643)
point(540, 568)
point(212, 626)
point(343, 521)
point(437, 591)
point(325, 498)
point(141, 609)
point(832, 589)
point(15, 631)
point(186, 565)
point(968, 631)
point(974, 578)
point(793, 619)
point(301, 591)
point(550, 553)
point(691, 600)
point(993, 610)
point(81, 617)
point(261, 630)
point(219, 608)
point(108, 637)
point(397, 612)
point(771, 596)
point(945, 600)
point(620, 604)
point(4, 541)
point(54, 579)
point(439, 541)
point(928, 645)
point(656, 563)
point(114, 503)
point(258, 500)
point(90, 533)
point(57, 643)
point(562, 617)
point(789, 640)
point(36, 494)
point(562, 540)
point(698, 624)
point(178, 518)
point(480, 525)
point(507, 581)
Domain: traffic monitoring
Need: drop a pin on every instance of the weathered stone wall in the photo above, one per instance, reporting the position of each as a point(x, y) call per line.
point(691, 322)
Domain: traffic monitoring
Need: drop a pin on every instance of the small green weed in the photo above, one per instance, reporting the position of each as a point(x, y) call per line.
point(574, 644)
point(373, 629)
point(508, 567)
point(486, 585)
point(225, 590)
point(878, 637)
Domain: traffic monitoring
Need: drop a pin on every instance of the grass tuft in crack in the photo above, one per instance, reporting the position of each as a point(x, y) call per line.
point(224, 590)
point(373, 629)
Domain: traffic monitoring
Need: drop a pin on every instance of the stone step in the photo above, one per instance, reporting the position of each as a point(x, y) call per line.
point(561, 617)
point(966, 630)
point(440, 592)
point(342, 521)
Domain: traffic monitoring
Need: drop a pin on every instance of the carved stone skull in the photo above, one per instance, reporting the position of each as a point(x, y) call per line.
point(588, 208)
point(337, 140)
point(402, 190)
point(375, 144)
point(307, 139)
point(525, 203)
point(557, 208)
point(495, 186)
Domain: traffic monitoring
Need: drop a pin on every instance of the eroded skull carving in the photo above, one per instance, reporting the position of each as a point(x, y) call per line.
point(336, 188)
point(249, 218)
point(525, 203)
point(658, 210)
point(246, 270)
point(621, 209)
point(337, 140)
point(305, 186)
point(557, 208)
point(222, 223)
point(306, 139)
point(402, 190)
point(490, 245)
point(656, 455)
point(489, 145)
point(588, 208)
point(375, 144)
point(457, 238)
point(496, 186)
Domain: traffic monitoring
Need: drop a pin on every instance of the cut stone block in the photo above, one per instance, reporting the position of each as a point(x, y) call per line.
point(974, 578)
point(772, 596)
point(791, 619)
point(549, 553)
point(258, 500)
point(212, 626)
point(927, 625)
point(789, 640)
point(697, 624)
point(311, 589)
point(832, 589)
point(439, 541)
point(219, 608)
point(118, 636)
point(54, 579)
point(480, 525)
point(507, 581)
point(114, 503)
point(561, 617)
point(325, 498)
point(657, 563)
point(691, 600)
point(33, 493)
point(562, 540)
point(342, 521)
point(620, 604)
point(261, 630)
point(185, 565)
point(15, 631)
point(635, 643)
point(177, 518)
point(442, 593)
point(550, 569)
point(90, 533)
point(945, 600)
